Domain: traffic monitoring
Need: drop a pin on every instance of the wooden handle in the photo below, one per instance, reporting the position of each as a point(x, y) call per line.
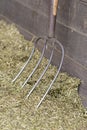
point(55, 6)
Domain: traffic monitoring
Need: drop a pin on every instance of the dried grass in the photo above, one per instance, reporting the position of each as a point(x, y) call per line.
point(62, 108)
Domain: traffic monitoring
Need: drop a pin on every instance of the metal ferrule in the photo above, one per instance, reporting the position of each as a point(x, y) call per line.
point(53, 14)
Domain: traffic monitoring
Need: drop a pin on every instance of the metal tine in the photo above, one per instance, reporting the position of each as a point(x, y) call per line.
point(27, 62)
point(39, 61)
point(61, 62)
point(22, 69)
point(51, 56)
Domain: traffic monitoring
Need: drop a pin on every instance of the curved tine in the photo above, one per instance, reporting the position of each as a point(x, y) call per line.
point(39, 61)
point(24, 65)
point(30, 56)
point(51, 56)
point(61, 62)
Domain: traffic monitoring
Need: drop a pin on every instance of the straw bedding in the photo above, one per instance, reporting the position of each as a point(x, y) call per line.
point(62, 108)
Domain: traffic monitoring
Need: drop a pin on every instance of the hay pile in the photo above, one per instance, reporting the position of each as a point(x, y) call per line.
point(62, 108)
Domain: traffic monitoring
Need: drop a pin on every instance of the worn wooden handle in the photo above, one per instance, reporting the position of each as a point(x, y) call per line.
point(55, 6)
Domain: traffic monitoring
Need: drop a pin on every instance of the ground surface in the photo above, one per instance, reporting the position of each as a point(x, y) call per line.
point(61, 110)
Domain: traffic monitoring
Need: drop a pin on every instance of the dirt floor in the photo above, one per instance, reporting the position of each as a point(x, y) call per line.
point(62, 108)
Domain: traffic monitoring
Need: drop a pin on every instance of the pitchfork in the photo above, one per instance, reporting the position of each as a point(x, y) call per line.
point(53, 40)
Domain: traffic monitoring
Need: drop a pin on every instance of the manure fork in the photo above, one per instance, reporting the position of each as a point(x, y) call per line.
point(51, 37)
